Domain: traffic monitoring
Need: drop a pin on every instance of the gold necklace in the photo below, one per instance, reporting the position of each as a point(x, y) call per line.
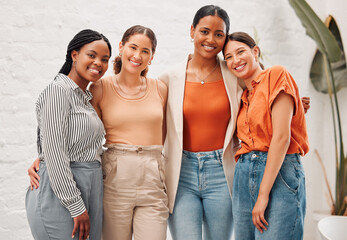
point(131, 94)
point(202, 81)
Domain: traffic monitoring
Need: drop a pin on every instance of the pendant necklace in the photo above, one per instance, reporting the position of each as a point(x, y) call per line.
point(202, 81)
point(131, 94)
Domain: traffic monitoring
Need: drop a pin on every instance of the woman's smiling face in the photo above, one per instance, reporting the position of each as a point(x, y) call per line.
point(136, 53)
point(209, 36)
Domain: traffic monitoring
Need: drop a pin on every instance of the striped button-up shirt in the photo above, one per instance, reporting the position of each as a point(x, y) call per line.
point(69, 130)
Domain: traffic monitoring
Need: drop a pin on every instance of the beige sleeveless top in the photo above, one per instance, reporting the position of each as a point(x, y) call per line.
point(132, 121)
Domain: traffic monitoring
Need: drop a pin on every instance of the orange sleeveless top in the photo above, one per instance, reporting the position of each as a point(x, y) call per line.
point(132, 121)
point(206, 114)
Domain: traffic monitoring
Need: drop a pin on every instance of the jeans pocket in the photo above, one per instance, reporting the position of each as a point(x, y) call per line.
point(289, 176)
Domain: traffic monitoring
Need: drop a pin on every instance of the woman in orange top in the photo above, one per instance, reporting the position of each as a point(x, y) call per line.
point(269, 182)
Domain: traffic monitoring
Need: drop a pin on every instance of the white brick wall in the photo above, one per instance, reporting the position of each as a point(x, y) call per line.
point(33, 39)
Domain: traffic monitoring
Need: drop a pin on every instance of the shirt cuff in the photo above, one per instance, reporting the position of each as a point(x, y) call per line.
point(76, 208)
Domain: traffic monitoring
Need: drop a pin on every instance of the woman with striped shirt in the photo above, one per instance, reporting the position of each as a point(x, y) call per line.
point(68, 202)
point(132, 109)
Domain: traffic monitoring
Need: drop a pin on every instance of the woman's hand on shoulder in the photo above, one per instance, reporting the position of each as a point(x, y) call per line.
point(306, 103)
point(96, 90)
point(32, 172)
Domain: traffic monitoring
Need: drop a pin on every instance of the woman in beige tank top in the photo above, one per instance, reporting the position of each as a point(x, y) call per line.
point(132, 109)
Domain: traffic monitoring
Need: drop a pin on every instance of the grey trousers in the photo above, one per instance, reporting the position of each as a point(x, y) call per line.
point(48, 219)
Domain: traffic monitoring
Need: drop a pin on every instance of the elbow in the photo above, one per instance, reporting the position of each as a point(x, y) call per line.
point(282, 140)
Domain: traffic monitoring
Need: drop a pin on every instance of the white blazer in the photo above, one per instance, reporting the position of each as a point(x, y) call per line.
point(173, 145)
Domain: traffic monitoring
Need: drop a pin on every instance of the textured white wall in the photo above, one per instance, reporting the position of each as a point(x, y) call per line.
point(33, 40)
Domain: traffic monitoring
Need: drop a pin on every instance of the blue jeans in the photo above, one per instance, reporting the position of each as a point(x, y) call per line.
point(203, 203)
point(287, 201)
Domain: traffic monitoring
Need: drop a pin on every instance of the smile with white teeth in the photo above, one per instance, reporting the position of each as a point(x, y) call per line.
point(134, 63)
point(95, 71)
point(240, 67)
point(208, 47)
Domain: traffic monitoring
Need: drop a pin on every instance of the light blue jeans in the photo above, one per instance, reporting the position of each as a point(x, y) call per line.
point(287, 201)
point(203, 204)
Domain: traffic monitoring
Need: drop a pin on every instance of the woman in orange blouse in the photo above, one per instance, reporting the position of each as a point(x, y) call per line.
point(269, 182)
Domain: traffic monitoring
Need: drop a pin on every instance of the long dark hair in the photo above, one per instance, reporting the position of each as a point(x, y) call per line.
point(137, 29)
point(244, 38)
point(80, 39)
point(212, 10)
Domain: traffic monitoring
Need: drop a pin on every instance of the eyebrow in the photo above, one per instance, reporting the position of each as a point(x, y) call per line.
point(97, 53)
point(206, 28)
point(138, 46)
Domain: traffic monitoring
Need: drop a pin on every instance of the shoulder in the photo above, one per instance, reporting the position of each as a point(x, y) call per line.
point(161, 88)
point(174, 71)
point(277, 69)
point(96, 89)
point(58, 87)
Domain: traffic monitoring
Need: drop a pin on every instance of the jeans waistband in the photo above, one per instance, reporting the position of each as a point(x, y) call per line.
point(262, 156)
point(215, 154)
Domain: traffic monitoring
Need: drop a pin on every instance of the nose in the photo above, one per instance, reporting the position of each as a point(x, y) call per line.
point(210, 38)
point(236, 59)
point(137, 55)
point(97, 61)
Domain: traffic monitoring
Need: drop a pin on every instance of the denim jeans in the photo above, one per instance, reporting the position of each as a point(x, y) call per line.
point(287, 200)
point(203, 204)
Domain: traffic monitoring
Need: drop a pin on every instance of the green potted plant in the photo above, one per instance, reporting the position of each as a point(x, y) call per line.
point(330, 53)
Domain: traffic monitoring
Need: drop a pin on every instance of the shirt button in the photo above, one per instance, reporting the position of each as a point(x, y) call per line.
point(254, 155)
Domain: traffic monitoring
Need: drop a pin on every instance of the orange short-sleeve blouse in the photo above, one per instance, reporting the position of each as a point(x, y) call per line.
point(254, 124)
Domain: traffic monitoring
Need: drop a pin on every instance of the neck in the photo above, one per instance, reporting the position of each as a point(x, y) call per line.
point(248, 80)
point(82, 83)
point(129, 80)
point(202, 63)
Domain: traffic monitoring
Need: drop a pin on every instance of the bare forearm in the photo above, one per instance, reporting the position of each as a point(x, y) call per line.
point(277, 151)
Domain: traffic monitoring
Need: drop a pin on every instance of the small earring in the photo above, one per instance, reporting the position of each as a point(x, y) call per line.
point(192, 39)
point(120, 55)
point(149, 63)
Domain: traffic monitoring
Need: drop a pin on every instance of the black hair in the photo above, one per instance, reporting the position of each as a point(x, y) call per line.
point(80, 39)
point(212, 10)
point(244, 38)
point(137, 29)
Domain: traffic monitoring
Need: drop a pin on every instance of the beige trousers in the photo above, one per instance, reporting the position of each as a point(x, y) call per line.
point(135, 200)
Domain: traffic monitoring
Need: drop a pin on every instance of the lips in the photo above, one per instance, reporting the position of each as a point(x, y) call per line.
point(209, 48)
point(94, 71)
point(240, 67)
point(135, 64)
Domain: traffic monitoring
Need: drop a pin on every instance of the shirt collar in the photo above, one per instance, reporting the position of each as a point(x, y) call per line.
point(68, 81)
point(87, 94)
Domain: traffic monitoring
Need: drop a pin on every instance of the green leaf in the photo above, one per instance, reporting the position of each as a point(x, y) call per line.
point(317, 74)
point(316, 29)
